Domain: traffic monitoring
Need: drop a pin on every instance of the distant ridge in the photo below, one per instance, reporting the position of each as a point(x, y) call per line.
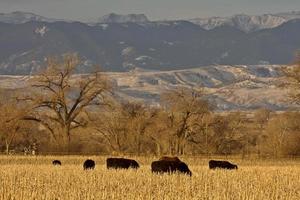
point(243, 22)
point(115, 18)
point(247, 23)
point(19, 17)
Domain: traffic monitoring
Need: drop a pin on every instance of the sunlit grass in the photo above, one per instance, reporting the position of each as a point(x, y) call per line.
point(36, 178)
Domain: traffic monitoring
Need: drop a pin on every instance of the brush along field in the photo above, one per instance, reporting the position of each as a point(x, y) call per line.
point(25, 178)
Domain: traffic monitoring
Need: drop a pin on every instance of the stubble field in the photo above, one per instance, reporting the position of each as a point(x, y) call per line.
point(25, 178)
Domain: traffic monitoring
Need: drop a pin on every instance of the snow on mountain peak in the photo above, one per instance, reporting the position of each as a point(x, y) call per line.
point(247, 23)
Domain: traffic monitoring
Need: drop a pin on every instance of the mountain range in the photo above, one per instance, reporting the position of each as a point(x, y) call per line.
point(124, 43)
point(247, 23)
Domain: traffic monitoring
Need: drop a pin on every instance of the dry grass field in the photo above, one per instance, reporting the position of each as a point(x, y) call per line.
point(25, 178)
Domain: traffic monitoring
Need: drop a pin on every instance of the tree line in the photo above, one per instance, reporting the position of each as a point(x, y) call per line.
point(62, 111)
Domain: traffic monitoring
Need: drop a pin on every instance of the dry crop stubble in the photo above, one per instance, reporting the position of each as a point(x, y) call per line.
point(37, 178)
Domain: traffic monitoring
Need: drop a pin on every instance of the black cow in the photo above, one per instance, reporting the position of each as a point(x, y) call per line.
point(170, 158)
point(56, 162)
point(121, 163)
point(89, 164)
point(170, 166)
point(220, 164)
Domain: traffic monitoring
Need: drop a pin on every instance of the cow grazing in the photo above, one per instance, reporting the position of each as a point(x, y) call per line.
point(170, 158)
point(89, 164)
point(121, 163)
point(219, 164)
point(56, 162)
point(170, 166)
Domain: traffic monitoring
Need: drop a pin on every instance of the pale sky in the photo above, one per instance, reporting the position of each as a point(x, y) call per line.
point(85, 10)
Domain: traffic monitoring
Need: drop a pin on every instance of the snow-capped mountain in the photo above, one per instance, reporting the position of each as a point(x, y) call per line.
point(19, 17)
point(247, 23)
point(115, 18)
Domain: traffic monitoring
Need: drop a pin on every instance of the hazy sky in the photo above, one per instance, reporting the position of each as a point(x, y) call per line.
point(154, 9)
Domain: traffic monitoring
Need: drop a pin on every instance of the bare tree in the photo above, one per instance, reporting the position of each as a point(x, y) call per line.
point(112, 127)
point(10, 123)
point(205, 140)
point(159, 132)
point(186, 108)
point(277, 134)
point(62, 98)
point(140, 118)
point(228, 133)
point(125, 126)
point(261, 117)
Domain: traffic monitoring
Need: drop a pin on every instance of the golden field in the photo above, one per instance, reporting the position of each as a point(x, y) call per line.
point(25, 178)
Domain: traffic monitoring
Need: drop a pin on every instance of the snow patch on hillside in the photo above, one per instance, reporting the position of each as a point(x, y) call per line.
point(41, 31)
point(227, 87)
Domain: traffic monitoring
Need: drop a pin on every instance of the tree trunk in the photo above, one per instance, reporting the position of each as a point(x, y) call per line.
point(177, 146)
point(158, 149)
point(170, 147)
point(65, 140)
point(182, 149)
point(7, 145)
point(139, 144)
point(180, 146)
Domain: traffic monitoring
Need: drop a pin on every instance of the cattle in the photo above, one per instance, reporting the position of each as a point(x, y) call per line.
point(220, 164)
point(170, 166)
point(89, 164)
point(170, 158)
point(56, 162)
point(121, 163)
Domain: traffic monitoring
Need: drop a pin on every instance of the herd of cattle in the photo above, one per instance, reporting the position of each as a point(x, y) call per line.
point(163, 165)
